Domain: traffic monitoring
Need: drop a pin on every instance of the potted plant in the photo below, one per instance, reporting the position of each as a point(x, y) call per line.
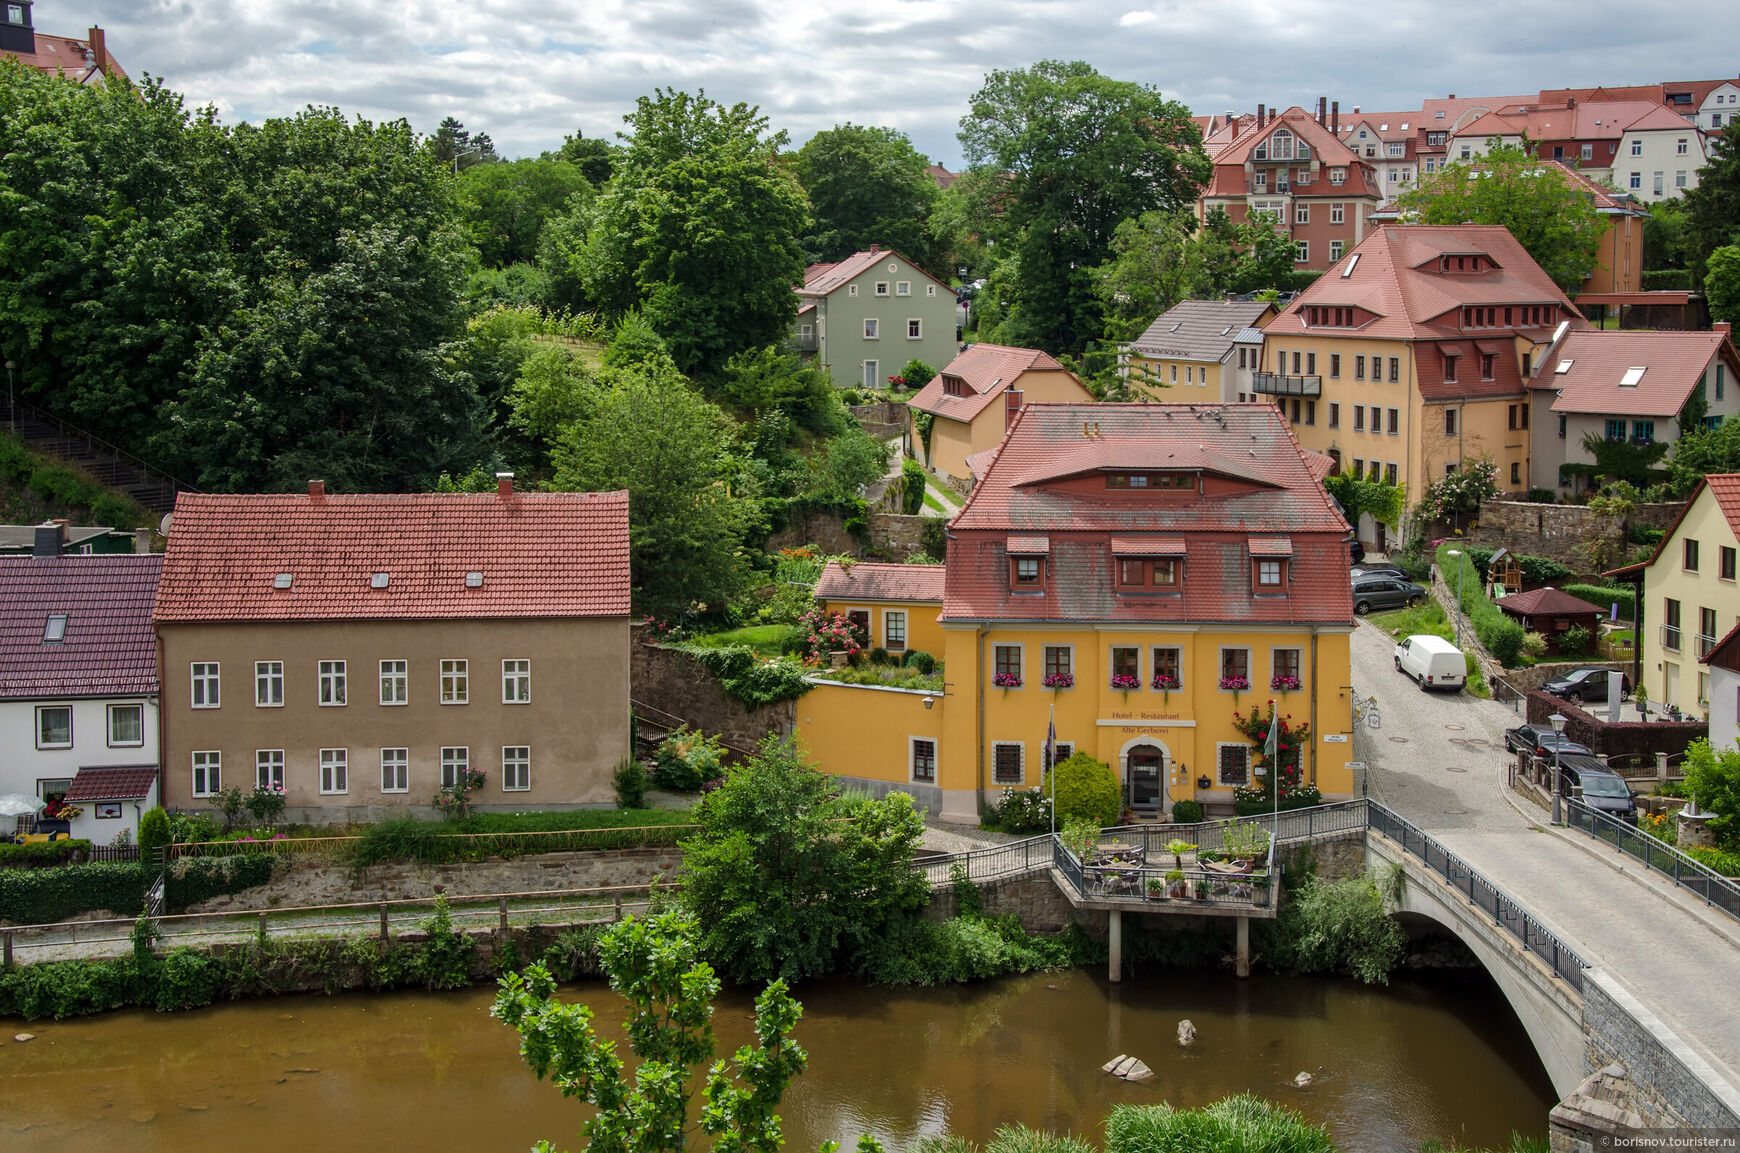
point(1156, 889)
point(1175, 883)
point(1641, 696)
point(1079, 836)
point(1178, 849)
point(1202, 888)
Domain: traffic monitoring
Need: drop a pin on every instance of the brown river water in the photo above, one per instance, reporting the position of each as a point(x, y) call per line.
point(1434, 1055)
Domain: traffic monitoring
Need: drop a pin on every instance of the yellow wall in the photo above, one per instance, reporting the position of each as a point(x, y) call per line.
point(865, 731)
point(953, 441)
point(922, 629)
point(1482, 430)
point(1203, 385)
point(1678, 677)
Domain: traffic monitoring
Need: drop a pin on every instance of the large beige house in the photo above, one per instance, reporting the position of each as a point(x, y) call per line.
point(1200, 351)
point(972, 402)
point(363, 652)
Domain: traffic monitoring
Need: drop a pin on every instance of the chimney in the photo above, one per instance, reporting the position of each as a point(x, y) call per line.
point(142, 541)
point(1322, 110)
point(50, 539)
point(1723, 327)
point(1261, 118)
point(875, 248)
point(504, 484)
point(1335, 117)
point(99, 49)
point(316, 490)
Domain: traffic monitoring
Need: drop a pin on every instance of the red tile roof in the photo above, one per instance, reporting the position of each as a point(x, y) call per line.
point(1726, 653)
point(987, 370)
point(1547, 602)
point(1673, 365)
point(67, 56)
point(129, 783)
point(108, 650)
point(540, 555)
point(821, 279)
point(1256, 481)
point(867, 581)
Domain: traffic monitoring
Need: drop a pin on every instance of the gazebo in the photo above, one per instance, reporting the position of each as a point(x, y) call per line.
point(1551, 613)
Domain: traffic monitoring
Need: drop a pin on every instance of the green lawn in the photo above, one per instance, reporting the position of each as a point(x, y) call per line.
point(932, 503)
point(1430, 618)
point(764, 639)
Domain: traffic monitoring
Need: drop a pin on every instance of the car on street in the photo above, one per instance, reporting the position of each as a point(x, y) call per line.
point(1541, 742)
point(1362, 571)
point(1592, 782)
point(1385, 592)
point(1581, 685)
point(1432, 661)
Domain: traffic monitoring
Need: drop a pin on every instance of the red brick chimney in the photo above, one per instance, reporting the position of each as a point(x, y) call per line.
point(1335, 117)
point(504, 484)
point(99, 50)
point(1725, 328)
point(316, 490)
point(1260, 117)
point(875, 248)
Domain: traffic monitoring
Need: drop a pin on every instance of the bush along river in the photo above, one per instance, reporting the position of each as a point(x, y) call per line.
point(1436, 1054)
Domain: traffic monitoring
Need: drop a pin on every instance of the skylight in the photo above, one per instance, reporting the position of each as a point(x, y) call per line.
point(1563, 367)
point(54, 630)
point(1352, 263)
point(1631, 377)
point(473, 580)
point(282, 580)
point(379, 580)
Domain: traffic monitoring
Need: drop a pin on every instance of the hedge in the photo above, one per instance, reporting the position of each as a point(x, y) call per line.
point(1606, 596)
point(1622, 739)
point(43, 896)
point(36, 854)
point(1667, 279)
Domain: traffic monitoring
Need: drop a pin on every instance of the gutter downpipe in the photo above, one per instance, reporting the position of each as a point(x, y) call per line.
point(1315, 738)
point(984, 629)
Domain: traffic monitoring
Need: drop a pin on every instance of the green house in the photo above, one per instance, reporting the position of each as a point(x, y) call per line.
point(57, 537)
point(866, 316)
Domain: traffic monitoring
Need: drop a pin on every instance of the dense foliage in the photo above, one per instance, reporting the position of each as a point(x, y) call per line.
point(1086, 788)
point(867, 185)
point(39, 896)
point(1337, 927)
point(1245, 1123)
point(1713, 779)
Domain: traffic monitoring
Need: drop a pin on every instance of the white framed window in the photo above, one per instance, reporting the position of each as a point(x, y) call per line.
point(1006, 662)
point(1232, 765)
point(330, 676)
point(269, 768)
point(208, 775)
point(395, 682)
point(1588, 152)
point(922, 758)
point(1658, 184)
point(872, 374)
point(872, 328)
point(395, 770)
point(1680, 178)
point(1636, 182)
point(54, 728)
point(1008, 762)
point(1337, 213)
point(805, 331)
point(852, 290)
point(914, 329)
point(205, 684)
point(1301, 214)
point(1301, 251)
point(1335, 250)
point(516, 682)
point(1398, 149)
point(334, 771)
point(930, 290)
point(881, 288)
point(268, 684)
point(455, 682)
point(516, 768)
point(126, 726)
point(455, 763)
point(903, 288)
point(1637, 148)
point(894, 630)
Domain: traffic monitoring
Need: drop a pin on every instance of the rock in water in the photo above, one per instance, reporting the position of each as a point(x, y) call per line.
point(1302, 1080)
point(1138, 1072)
point(1186, 1032)
point(22, 1037)
point(1112, 1065)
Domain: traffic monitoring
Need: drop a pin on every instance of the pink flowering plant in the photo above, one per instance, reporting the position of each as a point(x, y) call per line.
point(1007, 680)
point(1165, 682)
point(825, 632)
point(1060, 681)
point(1235, 684)
point(455, 801)
point(266, 803)
point(1126, 681)
point(1284, 682)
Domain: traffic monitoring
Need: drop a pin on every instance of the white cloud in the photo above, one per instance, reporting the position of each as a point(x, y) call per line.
point(529, 72)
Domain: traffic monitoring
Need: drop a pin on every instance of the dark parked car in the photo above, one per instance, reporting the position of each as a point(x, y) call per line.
point(1597, 786)
point(1581, 685)
point(1541, 742)
point(1385, 592)
point(1366, 572)
point(1355, 550)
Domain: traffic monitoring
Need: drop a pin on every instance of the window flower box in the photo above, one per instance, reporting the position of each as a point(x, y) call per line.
point(1007, 680)
point(1235, 684)
point(1126, 681)
point(1284, 683)
point(1060, 681)
point(1165, 682)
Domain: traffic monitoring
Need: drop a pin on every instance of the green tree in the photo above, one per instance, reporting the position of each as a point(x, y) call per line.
point(1550, 217)
point(1712, 209)
point(1086, 788)
point(1700, 452)
point(1713, 778)
point(645, 430)
point(1078, 153)
point(504, 206)
point(1722, 283)
point(1621, 460)
point(596, 159)
point(1385, 502)
point(1157, 261)
point(453, 146)
point(851, 460)
point(917, 374)
point(654, 966)
point(790, 878)
point(867, 185)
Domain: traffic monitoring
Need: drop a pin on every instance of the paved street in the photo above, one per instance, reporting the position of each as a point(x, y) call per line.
point(1439, 760)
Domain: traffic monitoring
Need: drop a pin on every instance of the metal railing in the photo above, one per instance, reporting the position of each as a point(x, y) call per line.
point(520, 843)
point(148, 473)
point(1670, 637)
point(1509, 695)
point(668, 721)
point(1280, 384)
point(1716, 890)
point(992, 863)
point(1198, 887)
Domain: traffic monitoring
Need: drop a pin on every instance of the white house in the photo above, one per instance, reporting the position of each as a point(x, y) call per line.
point(1723, 663)
point(78, 686)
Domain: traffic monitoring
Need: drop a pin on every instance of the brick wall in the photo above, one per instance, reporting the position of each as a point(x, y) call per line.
point(675, 682)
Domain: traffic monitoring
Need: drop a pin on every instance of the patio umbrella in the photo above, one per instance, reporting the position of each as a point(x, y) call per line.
point(19, 805)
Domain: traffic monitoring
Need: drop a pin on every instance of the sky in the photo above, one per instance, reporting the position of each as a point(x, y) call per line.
point(530, 72)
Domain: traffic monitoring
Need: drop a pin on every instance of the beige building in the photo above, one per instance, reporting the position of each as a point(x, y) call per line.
point(365, 652)
point(1691, 598)
point(972, 402)
point(1204, 351)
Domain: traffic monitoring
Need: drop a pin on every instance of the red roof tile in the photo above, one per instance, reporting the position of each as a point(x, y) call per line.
point(1726, 653)
point(108, 650)
point(130, 783)
point(540, 555)
point(1255, 480)
point(821, 279)
point(986, 370)
point(1148, 546)
point(1673, 364)
point(868, 581)
point(69, 56)
point(1547, 602)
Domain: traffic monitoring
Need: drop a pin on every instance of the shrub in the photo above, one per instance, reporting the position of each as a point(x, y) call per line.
point(1186, 812)
point(1534, 646)
point(193, 828)
point(1504, 639)
point(198, 879)
point(921, 660)
point(743, 675)
point(39, 896)
point(1666, 279)
point(1245, 1123)
point(1024, 811)
point(1086, 789)
point(912, 495)
point(879, 655)
point(1574, 641)
point(41, 853)
point(1540, 570)
point(1542, 496)
point(629, 780)
point(971, 947)
point(153, 832)
point(1718, 860)
point(851, 397)
point(1605, 596)
point(1338, 927)
point(686, 759)
point(185, 979)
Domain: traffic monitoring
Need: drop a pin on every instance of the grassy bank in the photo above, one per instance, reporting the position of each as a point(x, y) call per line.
point(1429, 618)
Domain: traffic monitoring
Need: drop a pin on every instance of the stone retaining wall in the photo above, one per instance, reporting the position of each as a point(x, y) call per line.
point(675, 682)
point(1558, 531)
point(1671, 1086)
point(1529, 679)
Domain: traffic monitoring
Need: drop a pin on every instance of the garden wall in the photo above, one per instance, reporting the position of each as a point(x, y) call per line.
point(883, 420)
point(891, 534)
point(1529, 679)
point(1610, 740)
point(674, 682)
point(1557, 531)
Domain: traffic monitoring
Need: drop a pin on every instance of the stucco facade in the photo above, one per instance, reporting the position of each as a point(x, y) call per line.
point(1689, 604)
point(872, 313)
point(104, 732)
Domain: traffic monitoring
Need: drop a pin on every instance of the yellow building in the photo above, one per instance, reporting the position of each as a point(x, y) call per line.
point(1412, 354)
point(1199, 350)
point(1138, 575)
point(895, 604)
point(1690, 595)
point(972, 402)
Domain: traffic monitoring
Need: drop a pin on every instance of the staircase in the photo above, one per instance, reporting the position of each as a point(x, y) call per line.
point(53, 437)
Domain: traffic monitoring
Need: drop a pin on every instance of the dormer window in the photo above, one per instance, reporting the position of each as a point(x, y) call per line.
point(1027, 572)
point(1269, 573)
point(955, 386)
point(1150, 480)
point(1269, 559)
point(1281, 145)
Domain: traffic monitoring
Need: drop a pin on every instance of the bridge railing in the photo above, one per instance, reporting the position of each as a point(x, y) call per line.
point(990, 863)
point(1718, 891)
point(1506, 914)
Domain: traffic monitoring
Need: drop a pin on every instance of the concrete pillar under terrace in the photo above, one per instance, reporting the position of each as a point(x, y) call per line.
point(1115, 945)
point(1242, 958)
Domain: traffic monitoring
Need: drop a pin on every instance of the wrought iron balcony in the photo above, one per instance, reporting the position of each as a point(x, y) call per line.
point(1279, 384)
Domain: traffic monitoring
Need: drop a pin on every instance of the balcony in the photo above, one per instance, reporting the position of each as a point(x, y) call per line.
point(1670, 638)
point(1279, 384)
point(1705, 644)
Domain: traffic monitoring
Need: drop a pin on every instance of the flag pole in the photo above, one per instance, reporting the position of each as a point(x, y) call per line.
point(1051, 764)
point(1274, 751)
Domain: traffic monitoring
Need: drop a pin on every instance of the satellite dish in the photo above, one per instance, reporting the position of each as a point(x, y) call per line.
point(163, 525)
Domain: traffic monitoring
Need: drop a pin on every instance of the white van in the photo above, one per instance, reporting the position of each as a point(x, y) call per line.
point(1433, 661)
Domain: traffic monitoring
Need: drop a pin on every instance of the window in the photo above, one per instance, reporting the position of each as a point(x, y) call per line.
point(1006, 762)
point(1615, 429)
point(1726, 562)
point(15, 14)
point(54, 628)
point(1061, 752)
point(1680, 178)
point(395, 770)
point(805, 332)
point(1670, 627)
point(1059, 666)
point(1449, 422)
point(1126, 667)
point(872, 330)
point(1706, 635)
point(1027, 571)
point(455, 687)
point(894, 630)
point(1487, 363)
point(205, 685)
point(1721, 379)
point(852, 290)
point(1679, 146)
point(1301, 251)
point(1301, 214)
point(54, 727)
point(269, 684)
point(1636, 182)
point(1132, 573)
point(1268, 574)
point(1450, 369)
point(1657, 183)
point(1359, 418)
point(1235, 665)
point(1233, 770)
point(126, 726)
point(930, 290)
point(207, 772)
point(1511, 415)
point(1588, 152)
point(1338, 176)
point(1691, 554)
point(1335, 366)
point(923, 760)
point(1390, 474)
point(1337, 214)
point(1310, 412)
point(1242, 358)
point(1168, 667)
point(331, 680)
point(1334, 414)
point(1515, 473)
point(394, 683)
point(903, 288)
point(1006, 664)
point(1715, 120)
point(1358, 472)
point(455, 764)
point(1286, 668)
point(1335, 250)
point(268, 768)
point(915, 330)
point(872, 374)
point(1359, 368)
point(1637, 148)
point(1395, 422)
point(881, 288)
point(1464, 154)
point(1643, 431)
point(1295, 416)
point(334, 771)
point(516, 682)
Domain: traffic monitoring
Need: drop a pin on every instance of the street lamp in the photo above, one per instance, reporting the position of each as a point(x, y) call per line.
point(11, 413)
point(1557, 720)
point(1458, 556)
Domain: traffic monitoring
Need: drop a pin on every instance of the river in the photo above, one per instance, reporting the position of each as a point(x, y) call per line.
point(1434, 1055)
